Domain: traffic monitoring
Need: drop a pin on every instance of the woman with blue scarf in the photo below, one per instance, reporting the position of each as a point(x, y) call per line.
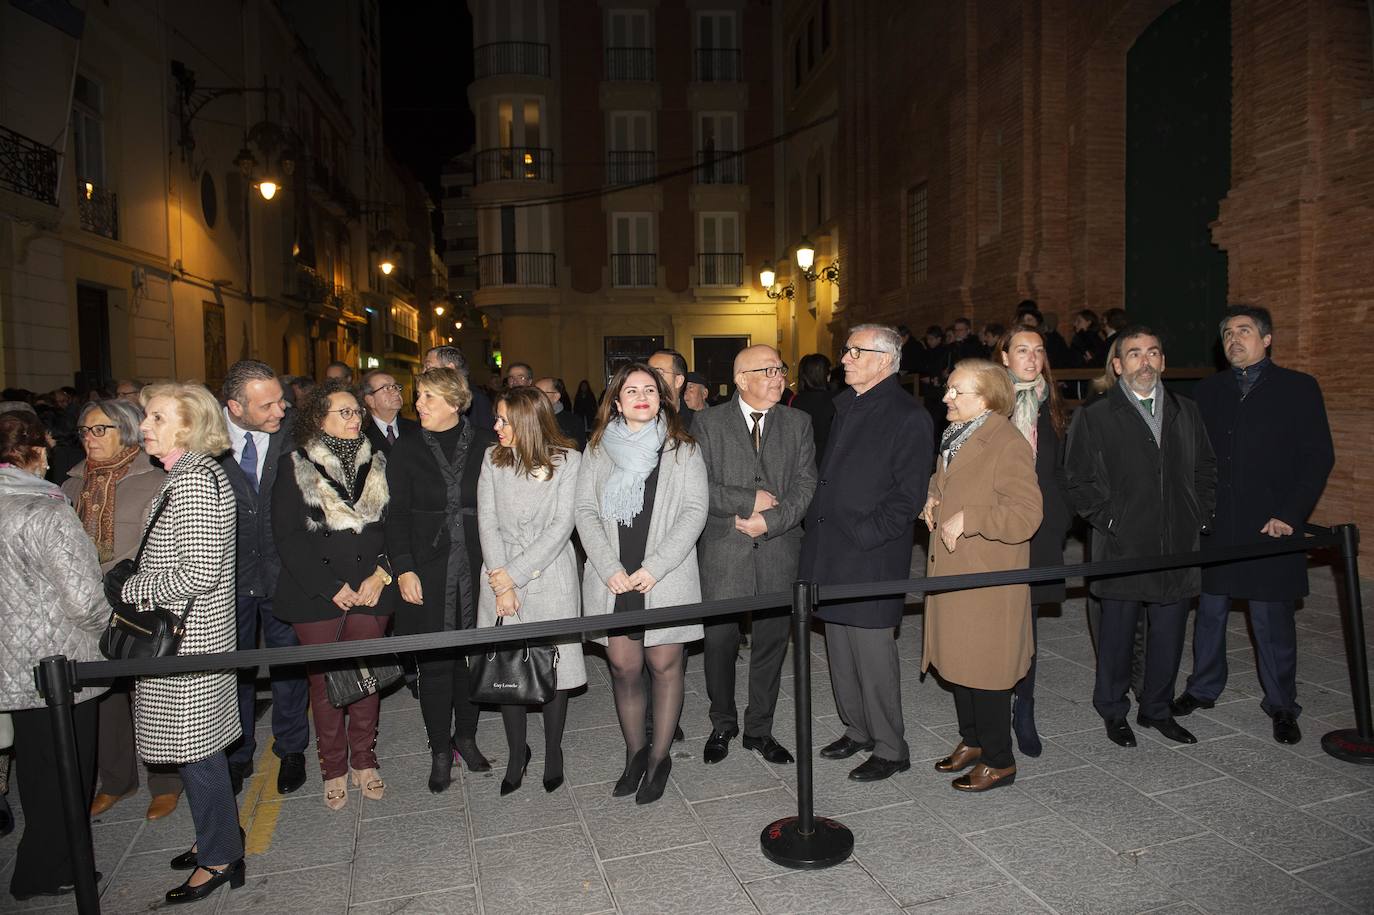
point(641, 505)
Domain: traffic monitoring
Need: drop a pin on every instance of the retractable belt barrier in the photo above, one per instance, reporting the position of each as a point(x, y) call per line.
point(803, 841)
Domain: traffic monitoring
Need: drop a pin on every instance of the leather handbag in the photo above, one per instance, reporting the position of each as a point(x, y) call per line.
point(523, 674)
point(143, 630)
point(348, 680)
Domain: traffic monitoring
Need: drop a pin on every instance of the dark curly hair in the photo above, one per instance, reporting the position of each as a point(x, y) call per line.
point(311, 412)
point(22, 437)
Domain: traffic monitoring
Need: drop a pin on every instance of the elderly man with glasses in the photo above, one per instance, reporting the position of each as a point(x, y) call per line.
point(382, 397)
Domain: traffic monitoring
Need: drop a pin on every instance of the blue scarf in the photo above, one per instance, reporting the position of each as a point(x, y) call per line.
point(635, 455)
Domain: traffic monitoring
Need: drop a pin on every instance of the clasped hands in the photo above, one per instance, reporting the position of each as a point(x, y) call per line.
point(503, 586)
point(366, 594)
point(951, 530)
point(756, 525)
point(621, 583)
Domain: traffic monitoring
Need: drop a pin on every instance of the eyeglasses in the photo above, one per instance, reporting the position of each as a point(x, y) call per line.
point(97, 431)
point(502, 422)
point(393, 387)
point(770, 371)
point(856, 352)
point(348, 413)
point(952, 391)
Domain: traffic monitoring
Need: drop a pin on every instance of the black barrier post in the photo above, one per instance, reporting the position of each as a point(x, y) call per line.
point(805, 841)
point(1356, 746)
point(54, 676)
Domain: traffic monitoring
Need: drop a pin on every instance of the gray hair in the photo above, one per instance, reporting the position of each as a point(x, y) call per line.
point(885, 340)
point(1257, 313)
point(450, 357)
point(123, 414)
point(242, 372)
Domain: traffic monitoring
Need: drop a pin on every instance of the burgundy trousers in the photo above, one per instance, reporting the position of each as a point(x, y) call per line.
point(343, 736)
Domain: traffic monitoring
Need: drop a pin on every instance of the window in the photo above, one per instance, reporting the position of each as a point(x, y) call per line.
point(88, 131)
point(916, 236)
point(720, 260)
point(633, 262)
point(630, 149)
point(717, 55)
point(628, 29)
point(405, 322)
point(629, 48)
point(717, 137)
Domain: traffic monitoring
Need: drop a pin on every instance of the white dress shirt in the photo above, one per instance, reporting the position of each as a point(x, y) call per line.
point(238, 437)
point(748, 412)
point(394, 425)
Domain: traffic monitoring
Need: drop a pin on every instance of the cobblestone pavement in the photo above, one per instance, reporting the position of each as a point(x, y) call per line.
point(1236, 823)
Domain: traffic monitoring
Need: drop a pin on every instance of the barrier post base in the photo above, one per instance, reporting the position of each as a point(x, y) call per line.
point(1348, 746)
point(828, 844)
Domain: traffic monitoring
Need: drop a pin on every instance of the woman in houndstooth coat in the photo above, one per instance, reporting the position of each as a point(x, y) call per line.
point(188, 719)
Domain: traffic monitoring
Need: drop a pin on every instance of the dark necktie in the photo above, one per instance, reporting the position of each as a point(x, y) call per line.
point(390, 434)
point(757, 430)
point(248, 460)
point(1149, 404)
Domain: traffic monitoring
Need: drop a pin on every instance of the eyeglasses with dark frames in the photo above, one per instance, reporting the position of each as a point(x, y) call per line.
point(395, 388)
point(856, 352)
point(347, 413)
point(769, 371)
point(96, 431)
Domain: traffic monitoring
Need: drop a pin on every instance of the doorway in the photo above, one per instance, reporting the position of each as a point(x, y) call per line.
point(714, 357)
point(93, 337)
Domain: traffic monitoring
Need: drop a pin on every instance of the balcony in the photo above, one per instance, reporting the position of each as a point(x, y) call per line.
point(630, 64)
point(515, 268)
point(98, 208)
point(403, 345)
point(716, 269)
point(513, 163)
point(631, 166)
point(305, 284)
point(717, 65)
point(524, 58)
point(629, 271)
point(28, 167)
point(717, 166)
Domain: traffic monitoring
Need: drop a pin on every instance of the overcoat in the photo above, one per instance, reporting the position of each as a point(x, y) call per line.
point(981, 637)
point(404, 429)
point(133, 494)
point(1047, 546)
point(734, 564)
point(1141, 498)
point(1274, 454)
point(872, 485)
point(183, 718)
point(527, 526)
point(258, 563)
point(670, 555)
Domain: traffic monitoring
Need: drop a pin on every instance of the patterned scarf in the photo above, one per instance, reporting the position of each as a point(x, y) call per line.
point(1030, 396)
point(346, 450)
point(635, 455)
point(954, 436)
point(96, 505)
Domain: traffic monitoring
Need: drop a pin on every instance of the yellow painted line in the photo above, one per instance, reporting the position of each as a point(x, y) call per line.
point(262, 803)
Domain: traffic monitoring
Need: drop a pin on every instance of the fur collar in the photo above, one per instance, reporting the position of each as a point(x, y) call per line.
point(331, 511)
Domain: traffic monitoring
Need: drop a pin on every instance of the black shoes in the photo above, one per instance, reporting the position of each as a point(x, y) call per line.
point(233, 874)
point(1169, 727)
point(769, 749)
point(844, 748)
point(876, 769)
point(1120, 733)
point(1023, 725)
point(553, 775)
point(466, 748)
point(238, 774)
point(186, 861)
point(1187, 703)
point(718, 745)
point(6, 817)
point(440, 770)
point(652, 787)
point(1286, 728)
point(508, 786)
point(292, 773)
point(629, 780)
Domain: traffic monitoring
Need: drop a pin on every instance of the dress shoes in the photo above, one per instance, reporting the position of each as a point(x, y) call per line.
point(104, 802)
point(1169, 727)
point(161, 805)
point(844, 748)
point(962, 757)
point(238, 774)
point(718, 745)
point(769, 749)
point(1023, 726)
point(984, 778)
point(466, 748)
point(232, 874)
point(291, 775)
point(186, 861)
point(1286, 728)
point(1187, 703)
point(65, 889)
point(629, 780)
point(440, 771)
point(509, 786)
point(1120, 733)
point(875, 769)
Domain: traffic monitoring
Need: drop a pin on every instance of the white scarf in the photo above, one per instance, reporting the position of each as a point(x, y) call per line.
point(635, 455)
point(1026, 414)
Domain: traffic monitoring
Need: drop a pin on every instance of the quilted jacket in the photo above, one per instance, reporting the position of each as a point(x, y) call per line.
point(51, 597)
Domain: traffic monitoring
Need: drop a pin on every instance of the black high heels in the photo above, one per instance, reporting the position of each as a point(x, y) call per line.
point(632, 776)
point(554, 781)
point(652, 788)
point(508, 786)
point(186, 861)
point(232, 874)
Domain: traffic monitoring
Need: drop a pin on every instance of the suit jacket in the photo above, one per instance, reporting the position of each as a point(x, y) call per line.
point(862, 520)
point(735, 564)
point(1274, 454)
point(378, 441)
point(480, 412)
point(571, 425)
point(258, 563)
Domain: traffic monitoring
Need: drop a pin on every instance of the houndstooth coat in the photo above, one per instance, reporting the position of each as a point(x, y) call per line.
point(183, 718)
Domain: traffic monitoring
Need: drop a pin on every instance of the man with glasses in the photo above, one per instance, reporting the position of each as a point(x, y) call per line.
point(860, 527)
point(479, 412)
point(760, 462)
point(382, 397)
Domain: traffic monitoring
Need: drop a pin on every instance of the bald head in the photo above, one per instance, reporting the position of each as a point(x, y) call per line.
point(752, 367)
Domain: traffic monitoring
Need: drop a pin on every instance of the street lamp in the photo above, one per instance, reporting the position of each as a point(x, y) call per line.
point(387, 265)
point(439, 310)
point(768, 279)
point(267, 188)
point(806, 260)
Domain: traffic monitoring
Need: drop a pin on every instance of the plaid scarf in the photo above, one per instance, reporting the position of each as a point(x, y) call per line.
point(96, 505)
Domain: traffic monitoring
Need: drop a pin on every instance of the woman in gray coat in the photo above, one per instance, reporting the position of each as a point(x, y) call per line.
point(525, 516)
point(641, 505)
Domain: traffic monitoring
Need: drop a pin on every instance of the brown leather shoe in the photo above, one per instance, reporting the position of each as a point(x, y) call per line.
point(984, 778)
point(161, 805)
point(962, 757)
point(104, 802)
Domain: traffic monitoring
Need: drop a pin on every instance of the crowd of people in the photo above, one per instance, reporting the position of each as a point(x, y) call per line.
point(286, 512)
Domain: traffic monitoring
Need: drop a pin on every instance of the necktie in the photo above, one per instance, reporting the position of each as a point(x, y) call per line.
point(390, 434)
point(757, 430)
point(1149, 404)
point(248, 460)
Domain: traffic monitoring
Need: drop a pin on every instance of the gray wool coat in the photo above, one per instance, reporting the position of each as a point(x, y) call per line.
point(680, 506)
point(526, 527)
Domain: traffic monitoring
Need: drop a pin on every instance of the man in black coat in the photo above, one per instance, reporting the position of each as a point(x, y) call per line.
point(1141, 471)
point(569, 423)
point(859, 528)
point(1274, 453)
point(385, 424)
point(479, 412)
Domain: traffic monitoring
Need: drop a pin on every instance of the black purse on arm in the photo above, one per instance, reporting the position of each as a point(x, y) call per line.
point(144, 630)
point(347, 680)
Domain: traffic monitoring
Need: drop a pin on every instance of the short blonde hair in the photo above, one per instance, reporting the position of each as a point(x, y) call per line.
point(450, 384)
point(991, 382)
point(202, 419)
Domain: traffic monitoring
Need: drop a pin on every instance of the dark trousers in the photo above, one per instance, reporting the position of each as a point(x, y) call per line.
point(766, 652)
point(42, 862)
point(344, 737)
point(1276, 651)
point(866, 679)
point(1025, 687)
point(210, 796)
point(290, 694)
point(116, 758)
point(1116, 645)
point(443, 681)
point(985, 721)
point(1138, 651)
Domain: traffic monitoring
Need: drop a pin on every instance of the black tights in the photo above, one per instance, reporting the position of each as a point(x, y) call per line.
point(667, 670)
point(555, 717)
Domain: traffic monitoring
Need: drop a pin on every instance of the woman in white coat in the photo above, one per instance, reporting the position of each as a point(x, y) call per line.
point(525, 518)
point(641, 505)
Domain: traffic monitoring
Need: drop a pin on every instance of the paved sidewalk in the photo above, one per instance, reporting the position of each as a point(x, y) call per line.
point(1236, 823)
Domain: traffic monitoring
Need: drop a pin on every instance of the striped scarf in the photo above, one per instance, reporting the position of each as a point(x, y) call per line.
point(96, 504)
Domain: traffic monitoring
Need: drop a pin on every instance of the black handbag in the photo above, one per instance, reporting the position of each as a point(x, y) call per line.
point(524, 674)
point(348, 680)
point(144, 630)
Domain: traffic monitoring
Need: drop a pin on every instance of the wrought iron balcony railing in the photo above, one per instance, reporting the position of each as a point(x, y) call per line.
point(719, 166)
point(98, 207)
point(630, 166)
point(630, 64)
point(500, 57)
point(516, 268)
point(716, 269)
point(717, 65)
point(28, 167)
point(630, 270)
point(513, 163)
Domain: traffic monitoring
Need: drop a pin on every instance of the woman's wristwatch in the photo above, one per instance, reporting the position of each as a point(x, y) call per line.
point(384, 567)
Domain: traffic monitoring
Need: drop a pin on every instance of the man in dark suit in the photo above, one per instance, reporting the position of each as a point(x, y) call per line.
point(1141, 471)
point(382, 397)
point(253, 410)
point(1274, 453)
point(673, 367)
point(760, 462)
point(872, 483)
point(569, 423)
point(479, 412)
